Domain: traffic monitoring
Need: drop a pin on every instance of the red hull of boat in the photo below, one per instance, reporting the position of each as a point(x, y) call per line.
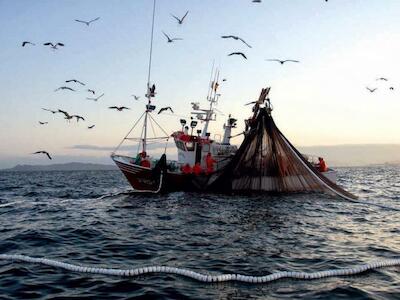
point(143, 179)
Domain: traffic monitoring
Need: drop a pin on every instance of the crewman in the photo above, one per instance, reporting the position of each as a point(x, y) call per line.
point(210, 161)
point(197, 169)
point(322, 167)
point(145, 162)
point(186, 169)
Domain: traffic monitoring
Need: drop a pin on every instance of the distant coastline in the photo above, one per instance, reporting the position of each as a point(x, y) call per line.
point(73, 166)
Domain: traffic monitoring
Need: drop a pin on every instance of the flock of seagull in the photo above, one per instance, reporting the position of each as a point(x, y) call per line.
point(94, 97)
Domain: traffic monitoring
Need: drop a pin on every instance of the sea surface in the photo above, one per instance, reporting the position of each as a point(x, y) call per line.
point(89, 218)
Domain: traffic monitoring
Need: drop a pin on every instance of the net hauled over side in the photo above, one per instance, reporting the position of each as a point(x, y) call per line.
point(267, 161)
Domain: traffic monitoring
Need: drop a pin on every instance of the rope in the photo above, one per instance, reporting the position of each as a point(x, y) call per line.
point(204, 277)
point(134, 125)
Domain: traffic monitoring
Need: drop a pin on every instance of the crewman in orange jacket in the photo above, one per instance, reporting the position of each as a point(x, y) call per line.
point(210, 161)
point(322, 167)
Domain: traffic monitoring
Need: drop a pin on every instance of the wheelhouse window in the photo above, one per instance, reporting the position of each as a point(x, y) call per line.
point(190, 146)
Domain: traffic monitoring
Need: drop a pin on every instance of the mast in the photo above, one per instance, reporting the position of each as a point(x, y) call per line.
point(212, 98)
point(149, 93)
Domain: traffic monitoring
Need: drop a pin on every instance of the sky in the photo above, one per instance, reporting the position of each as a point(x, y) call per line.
point(342, 46)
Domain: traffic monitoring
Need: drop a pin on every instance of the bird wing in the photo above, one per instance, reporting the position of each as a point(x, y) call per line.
point(68, 88)
point(71, 80)
point(80, 21)
point(124, 107)
point(64, 112)
point(170, 109)
point(166, 35)
point(60, 44)
point(242, 54)
point(292, 60)
point(94, 20)
point(175, 17)
point(91, 91)
point(161, 110)
point(227, 36)
point(245, 42)
point(252, 102)
point(48, 44)
point(113, 107)
point(273, 59)
point(48, 155)
point(176, 39)
point(184, 16)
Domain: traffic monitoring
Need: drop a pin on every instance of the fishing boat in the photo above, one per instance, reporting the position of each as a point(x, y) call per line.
point(265, 161)
point(193, 146)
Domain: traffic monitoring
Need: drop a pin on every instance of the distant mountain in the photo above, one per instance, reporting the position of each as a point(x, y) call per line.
point(356, 155)
point(73, 166)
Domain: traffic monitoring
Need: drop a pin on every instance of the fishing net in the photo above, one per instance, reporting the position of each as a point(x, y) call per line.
point(267, 161)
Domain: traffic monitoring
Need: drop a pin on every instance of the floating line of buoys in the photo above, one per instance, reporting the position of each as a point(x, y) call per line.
point(203, 277)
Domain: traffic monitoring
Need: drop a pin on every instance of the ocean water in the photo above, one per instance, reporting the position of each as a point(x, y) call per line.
point(85, 217)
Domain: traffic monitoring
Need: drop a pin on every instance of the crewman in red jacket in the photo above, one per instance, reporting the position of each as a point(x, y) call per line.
point(197, 169)
point(186, 169)
point(210, 161)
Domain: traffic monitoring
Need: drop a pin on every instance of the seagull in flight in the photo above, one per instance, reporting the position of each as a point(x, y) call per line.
point(136, 97)
point(382, 78)
point(67, 116)
point(64, 88)
point(43, 123)
point(74, 80)
point(91, 126)
point(259, 1)
point(235, 38)
point(119, 108)
point(95, 99)
point(169, 40)
point(27, 43)
point(180, 21)
point(283, 61)
point(165, 108)
point(391, 88)
point(52, 111)
point(78, 118)
point(87, 22)
point(91, 91)
point(43, 152)
point(371, 90)
point(54, 46)
point(238, 53)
